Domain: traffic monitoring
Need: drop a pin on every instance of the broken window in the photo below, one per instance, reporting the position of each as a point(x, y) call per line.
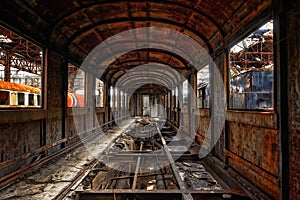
point(21, 70)
point(185, 92)
point(251, 71)
point(176, 97)
point(203, 88)
point(173, 99)
point(116, 97)
point(121, 99)
point(76, 87)
point(99, 93)
point(169, 100)
point(125, 100)
point(166, 102)
point(146, 105)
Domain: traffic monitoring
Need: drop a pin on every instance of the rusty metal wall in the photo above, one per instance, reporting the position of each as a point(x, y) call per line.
point(249, 142)
point(100, 116)
point(253, 149)
point(54, 102)
point(24, 132)
point(71, 130)
point(184, 119)
point(293, 35)
point(16, 140)
point(203, 125)
point(76, 121)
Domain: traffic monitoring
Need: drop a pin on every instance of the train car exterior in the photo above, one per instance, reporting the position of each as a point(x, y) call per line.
point(75, 100)
point(19, 95)
point(14, 95)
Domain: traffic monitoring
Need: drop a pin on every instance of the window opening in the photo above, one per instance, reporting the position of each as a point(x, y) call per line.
point(251, 71)
point(76, 87)
point(21, 70)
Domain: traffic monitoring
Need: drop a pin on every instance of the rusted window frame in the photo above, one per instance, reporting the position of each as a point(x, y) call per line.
point(239, 39)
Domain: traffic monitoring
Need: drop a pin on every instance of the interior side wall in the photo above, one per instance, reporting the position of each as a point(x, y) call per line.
point(293, 44)
point(249, 142)
point(252, 147)
point(30, 135)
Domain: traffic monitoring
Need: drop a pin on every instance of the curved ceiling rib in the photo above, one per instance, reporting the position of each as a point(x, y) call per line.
point(75, 27)
point(144, 55)
point(188, 51)
point(165, 3)
point(216, 21)
point(109, 75)
point(150, 73)
point(108, 56)
point(139, 19)
point(115, 76)
point(146, 70)
point(134, 81)
point(151, 56)
point(151, 88)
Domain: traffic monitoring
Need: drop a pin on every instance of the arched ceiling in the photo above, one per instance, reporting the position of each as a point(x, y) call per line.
point(132, 59)
point(75, 27)
point(147, 74)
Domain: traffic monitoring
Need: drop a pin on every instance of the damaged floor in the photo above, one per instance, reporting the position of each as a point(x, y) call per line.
point(51, 179)
point(141, 159)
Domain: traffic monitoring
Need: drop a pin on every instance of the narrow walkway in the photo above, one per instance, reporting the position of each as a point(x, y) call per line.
point(52, 178)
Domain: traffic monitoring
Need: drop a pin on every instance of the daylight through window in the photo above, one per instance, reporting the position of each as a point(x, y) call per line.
point(21, 70)
point(251, 71)
point(76, 87)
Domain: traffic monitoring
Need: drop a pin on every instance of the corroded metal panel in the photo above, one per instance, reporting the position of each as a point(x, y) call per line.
point(22, 116)
point(256, 145)
point(293, 79)
point(258, 119)
point(253, 148)
point(260, 178)
point(203, 125)
point(54, 99)
point(17, 140)
point(184, 116)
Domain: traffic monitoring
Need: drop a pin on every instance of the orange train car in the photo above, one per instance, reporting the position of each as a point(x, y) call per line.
point(75, 100)
point(20, 95)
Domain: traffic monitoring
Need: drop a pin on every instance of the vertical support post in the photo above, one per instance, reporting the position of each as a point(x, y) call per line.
point(212, 103)
point(180, 103)
point(107, 103)
point(64, 90)
point(227, 88)
point(167, 106)
point(135, 105)
point(7, 68)
point(191, 105)
point(282, 105)
point(90, 100)
point(119, 109)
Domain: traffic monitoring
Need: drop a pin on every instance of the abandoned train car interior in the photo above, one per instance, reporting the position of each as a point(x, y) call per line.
point(143, 100)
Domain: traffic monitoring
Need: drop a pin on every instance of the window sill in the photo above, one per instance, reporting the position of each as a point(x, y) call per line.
point(266, 119)
point(22, 116)
point(76, 111)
